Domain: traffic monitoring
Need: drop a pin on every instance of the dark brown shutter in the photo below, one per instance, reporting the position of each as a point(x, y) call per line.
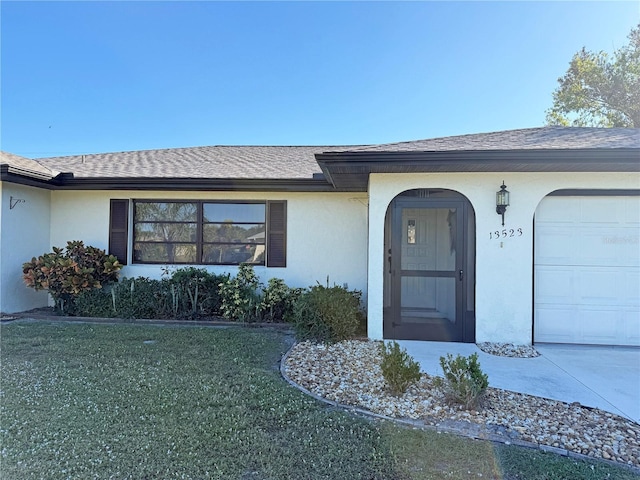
point(277, 233)
point(119, 229)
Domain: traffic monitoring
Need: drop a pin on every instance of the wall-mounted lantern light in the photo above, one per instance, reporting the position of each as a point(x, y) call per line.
point(502, 201)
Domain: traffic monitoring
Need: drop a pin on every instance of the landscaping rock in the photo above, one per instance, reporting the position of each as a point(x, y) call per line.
point(508, 350)
point(349, 373)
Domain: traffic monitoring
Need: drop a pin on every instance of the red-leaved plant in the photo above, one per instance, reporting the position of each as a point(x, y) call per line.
point(65, 273)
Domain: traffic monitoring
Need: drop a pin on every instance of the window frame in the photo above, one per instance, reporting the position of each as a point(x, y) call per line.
point(199, 243)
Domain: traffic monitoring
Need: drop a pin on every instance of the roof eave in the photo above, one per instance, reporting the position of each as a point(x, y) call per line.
point(67, 181)
point(13, 174)
point(352, 169)
point(197, 184)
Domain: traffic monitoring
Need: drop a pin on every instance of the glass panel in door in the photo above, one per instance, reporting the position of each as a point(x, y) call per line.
point(427, 284)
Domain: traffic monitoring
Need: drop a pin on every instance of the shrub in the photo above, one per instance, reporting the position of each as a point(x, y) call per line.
point(278, 300)
point(240, 298)
point(66, 273)
point(187, 293)
point(196, 292)
point(464, 382)
point(399, 369)
point(141, 297)
point(191, 293)
point(137, 297)
point(92, 303)
point(327, 314)
point(307, 320)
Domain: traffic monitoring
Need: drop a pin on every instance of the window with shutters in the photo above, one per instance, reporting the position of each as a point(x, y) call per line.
point(209, 233)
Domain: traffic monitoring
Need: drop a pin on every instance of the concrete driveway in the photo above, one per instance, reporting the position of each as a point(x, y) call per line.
point(607, 378)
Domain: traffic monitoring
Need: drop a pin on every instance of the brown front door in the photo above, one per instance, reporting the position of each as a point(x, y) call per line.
point(427, 260)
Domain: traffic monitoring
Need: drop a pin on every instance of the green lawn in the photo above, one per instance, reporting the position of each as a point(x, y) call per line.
point(85, 401)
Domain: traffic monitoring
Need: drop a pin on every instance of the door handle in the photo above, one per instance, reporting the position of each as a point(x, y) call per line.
point(460, 274)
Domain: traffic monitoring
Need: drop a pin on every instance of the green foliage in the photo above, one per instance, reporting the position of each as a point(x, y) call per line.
point(600, 91)
point(198, 291)
point(245, 298)
point(92, 303)
point(187, 293)
point(464, 382)
point(240, 299)
point(66, 273)
point(399, 369)
point(278, 300)
point(327, 314)
point(138, 297)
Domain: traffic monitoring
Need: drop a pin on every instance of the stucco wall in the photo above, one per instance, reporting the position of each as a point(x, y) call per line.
point(326, 233)
point(504, 267)
point(327, 236)
point(24, 233)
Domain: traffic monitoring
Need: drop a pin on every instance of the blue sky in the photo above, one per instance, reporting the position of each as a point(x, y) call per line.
point(87, 77)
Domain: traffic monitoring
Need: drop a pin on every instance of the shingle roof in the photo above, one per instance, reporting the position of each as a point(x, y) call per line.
point(300, 163)
point(223, 162)
point(524, 139)
point(26, 166)
point(545, 149)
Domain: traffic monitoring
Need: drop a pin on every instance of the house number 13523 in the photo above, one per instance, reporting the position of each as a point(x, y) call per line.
point(505, 233)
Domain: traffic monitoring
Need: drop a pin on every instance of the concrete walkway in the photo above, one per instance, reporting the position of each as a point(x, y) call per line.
point(607, 378)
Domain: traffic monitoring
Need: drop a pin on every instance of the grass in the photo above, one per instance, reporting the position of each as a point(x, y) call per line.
point(85, 401)
point(526, 464)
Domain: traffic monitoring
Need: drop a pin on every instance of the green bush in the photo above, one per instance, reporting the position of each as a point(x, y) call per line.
point(399, 369)
point(464, 382)
point(92, 303)
point(141, 297)
point(278, 301)
point(191, 293)
point(196, 292)
point(187, 293)
point(67, 272)
point(240, 298)
point(137, 297)
point(327, 314)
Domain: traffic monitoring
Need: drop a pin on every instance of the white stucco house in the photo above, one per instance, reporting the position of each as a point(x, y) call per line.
point(414, 225)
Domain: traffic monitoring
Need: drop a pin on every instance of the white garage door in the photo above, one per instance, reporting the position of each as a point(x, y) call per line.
point(587, 270)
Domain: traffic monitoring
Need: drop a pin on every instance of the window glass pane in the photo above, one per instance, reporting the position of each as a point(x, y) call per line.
point(165, 232)
point(166, 211)
point(170, 232)
point(233, 254)
point(164, 252)
point(234, 212)
point(229, 232)
point(433, 246)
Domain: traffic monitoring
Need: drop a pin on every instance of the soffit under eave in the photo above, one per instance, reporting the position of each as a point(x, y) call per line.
point(352, 175)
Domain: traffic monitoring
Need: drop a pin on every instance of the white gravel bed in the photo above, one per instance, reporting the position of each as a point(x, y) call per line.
point(508, 350)
point(349, 373)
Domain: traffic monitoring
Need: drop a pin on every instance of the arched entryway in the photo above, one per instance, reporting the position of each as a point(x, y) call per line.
point(429, 285)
